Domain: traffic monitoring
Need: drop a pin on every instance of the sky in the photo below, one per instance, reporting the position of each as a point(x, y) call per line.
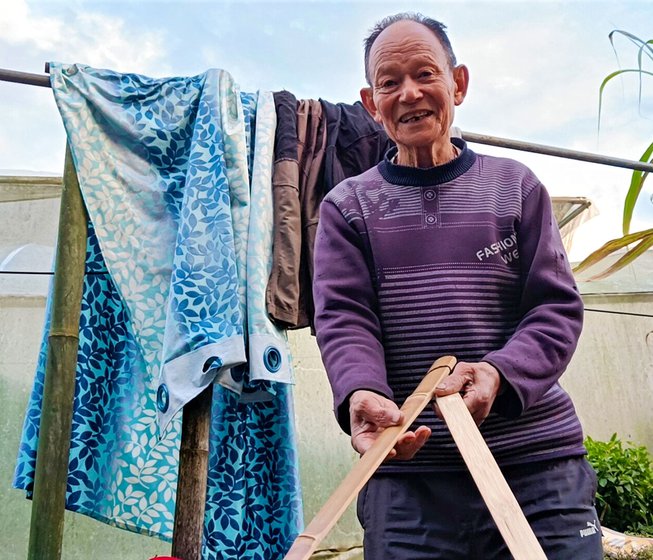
point(535, 71)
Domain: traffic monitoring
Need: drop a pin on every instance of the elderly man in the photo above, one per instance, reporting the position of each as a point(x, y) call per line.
point(441, 251)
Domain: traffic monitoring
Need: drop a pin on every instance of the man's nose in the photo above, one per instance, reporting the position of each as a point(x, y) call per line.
point(410, 91)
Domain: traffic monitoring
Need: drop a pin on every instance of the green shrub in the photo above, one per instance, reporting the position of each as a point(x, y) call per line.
point(624, 499)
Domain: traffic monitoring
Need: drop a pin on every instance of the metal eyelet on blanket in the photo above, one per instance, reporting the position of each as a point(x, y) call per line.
point(272, 359)
point(214, 362)
point(238, 373)
point(162, 398)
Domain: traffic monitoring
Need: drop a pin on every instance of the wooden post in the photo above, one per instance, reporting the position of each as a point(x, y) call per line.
point(46, 526)
point(193, 473)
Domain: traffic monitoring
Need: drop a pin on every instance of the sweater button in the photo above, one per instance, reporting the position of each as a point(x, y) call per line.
point(431, 219)
point(429, 194)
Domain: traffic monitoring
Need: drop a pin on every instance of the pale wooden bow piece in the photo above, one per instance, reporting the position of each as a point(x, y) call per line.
point(496, 493)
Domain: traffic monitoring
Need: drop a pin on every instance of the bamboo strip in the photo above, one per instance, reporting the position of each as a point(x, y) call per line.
point(326, 518)
point(494, 489)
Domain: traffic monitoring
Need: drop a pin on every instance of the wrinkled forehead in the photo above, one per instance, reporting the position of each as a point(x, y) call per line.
point(404, 41)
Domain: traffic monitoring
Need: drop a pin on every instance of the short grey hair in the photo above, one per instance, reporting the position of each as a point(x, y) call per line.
point(437, 27)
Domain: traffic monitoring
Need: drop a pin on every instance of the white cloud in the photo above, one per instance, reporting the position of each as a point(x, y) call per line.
point(19, 26)
point(80, 36)
point(538, 76)
point(535, 67)
point(32, 136)
point(107, 41)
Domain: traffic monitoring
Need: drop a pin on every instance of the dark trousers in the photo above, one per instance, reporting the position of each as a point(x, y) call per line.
point(430, 516)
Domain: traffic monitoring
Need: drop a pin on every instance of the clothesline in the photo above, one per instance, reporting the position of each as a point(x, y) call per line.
point(611, 312)
point(46, 273)
point(44, 81)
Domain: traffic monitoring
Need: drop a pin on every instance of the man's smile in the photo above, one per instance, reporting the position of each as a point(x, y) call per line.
point(414, 116)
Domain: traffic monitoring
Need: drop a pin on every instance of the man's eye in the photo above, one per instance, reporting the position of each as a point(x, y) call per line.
point(388, 83)
point(425, 74)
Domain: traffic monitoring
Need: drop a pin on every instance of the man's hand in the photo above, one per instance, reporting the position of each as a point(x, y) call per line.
point(370, 413)
point(479, 384)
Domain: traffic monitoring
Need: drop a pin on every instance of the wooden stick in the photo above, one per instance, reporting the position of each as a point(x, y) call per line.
point(326, 518)
point(193, 474)
point(493, 487)
point(50, 478)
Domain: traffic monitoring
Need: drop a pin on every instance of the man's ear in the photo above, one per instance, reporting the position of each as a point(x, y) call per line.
point(367, 97)
point(461, 78)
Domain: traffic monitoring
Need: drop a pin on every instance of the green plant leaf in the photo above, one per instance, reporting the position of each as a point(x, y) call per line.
point(613, 75)
point(633, 39)
point(610, 247)
point(625, 484)
point(644, 48)
point(636, 184)
point(628, 257)
point(644, 51)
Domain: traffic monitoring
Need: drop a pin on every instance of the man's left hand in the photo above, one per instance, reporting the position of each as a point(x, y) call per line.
point(478, 383)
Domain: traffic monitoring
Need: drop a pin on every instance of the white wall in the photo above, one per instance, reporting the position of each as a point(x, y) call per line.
point(611, 375)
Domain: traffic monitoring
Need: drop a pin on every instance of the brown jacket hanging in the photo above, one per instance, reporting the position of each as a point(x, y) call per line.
point(297, 193)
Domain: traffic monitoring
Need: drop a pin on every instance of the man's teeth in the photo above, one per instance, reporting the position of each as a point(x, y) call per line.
point(415, 117)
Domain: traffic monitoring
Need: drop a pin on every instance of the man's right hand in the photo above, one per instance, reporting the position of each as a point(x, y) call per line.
point(370, 413)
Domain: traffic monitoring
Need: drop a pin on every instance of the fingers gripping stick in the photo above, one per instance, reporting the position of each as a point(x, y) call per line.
point(326, 518)
point(494, 489)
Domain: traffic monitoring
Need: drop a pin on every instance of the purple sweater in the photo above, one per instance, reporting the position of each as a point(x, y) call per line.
point(462, 259)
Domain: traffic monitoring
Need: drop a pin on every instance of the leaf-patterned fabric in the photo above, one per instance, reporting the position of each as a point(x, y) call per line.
point(164, 166)
point(269, 356)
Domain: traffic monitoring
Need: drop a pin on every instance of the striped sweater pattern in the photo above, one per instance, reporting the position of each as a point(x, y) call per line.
point(463, 259)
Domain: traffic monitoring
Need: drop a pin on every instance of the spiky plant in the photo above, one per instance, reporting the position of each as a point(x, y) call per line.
point(640, 241)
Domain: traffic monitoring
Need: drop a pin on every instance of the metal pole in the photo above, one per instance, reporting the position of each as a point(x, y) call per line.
point(192, 477)
point(41, 80)
point(557, 152)
point(24, 78)
point(46, 526)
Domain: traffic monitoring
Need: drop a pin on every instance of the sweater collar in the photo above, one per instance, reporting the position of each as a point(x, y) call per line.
point(417, 176)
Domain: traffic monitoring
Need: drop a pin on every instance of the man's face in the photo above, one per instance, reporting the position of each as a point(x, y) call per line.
point(414, 89)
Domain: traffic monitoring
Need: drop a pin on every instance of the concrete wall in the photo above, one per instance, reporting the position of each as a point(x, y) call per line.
point(22, 310)
point(325, 453)
point(611, 375)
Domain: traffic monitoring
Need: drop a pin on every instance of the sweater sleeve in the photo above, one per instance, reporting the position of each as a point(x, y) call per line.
point(536, 355)
point(347, 326)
